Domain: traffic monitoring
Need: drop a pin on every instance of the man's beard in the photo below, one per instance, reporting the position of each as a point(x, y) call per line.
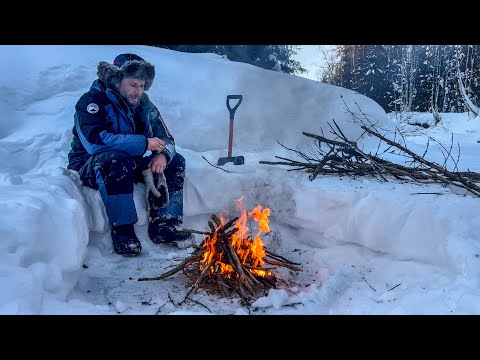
point(135, 103)
point(131, 105)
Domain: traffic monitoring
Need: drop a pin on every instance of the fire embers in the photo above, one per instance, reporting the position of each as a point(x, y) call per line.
point(229, 261)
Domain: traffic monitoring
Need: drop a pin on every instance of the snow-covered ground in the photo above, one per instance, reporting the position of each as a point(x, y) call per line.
point(364, 246)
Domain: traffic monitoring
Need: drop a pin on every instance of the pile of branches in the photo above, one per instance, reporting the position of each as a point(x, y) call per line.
point(206, 273)
point(343, 157)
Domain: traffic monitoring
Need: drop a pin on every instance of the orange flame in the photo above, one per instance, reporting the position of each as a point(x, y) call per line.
point(249, 252)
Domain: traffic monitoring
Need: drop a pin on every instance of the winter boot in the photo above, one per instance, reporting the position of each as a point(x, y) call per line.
point(161, 231)
point(164, 231)
point(184, 240)
point(125, 242)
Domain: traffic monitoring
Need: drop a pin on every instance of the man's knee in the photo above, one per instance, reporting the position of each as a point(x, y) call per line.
point(116, 170)
point(178, 163)
point(108, 158)
point(175, 173)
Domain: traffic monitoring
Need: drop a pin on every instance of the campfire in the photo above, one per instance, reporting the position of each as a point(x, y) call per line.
point(232, 257)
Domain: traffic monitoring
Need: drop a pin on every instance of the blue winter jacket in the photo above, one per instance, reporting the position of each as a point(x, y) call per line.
point(104, 121)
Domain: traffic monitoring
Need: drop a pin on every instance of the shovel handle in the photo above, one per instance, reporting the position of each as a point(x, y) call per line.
point(232, 110)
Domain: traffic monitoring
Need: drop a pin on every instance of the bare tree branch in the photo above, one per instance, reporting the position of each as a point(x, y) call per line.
point(344, 157)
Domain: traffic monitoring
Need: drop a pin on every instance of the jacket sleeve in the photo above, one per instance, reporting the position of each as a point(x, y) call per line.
point(160, 130)
point(91, 122)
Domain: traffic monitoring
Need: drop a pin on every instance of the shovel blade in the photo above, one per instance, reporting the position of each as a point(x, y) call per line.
point(236, 160)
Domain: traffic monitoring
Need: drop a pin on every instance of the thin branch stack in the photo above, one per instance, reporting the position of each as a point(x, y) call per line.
point(344, 157)
point(228, 264)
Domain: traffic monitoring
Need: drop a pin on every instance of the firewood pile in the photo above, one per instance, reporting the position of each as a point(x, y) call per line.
point(342, 156)
point(229, 262)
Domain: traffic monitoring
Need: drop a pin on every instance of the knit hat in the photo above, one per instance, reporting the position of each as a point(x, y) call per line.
point(123, 58)
point(126, 65)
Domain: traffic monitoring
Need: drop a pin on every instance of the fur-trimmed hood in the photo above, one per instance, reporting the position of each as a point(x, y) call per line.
point(112, 75)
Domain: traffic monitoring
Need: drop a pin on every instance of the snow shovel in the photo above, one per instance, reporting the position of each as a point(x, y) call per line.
point(237, 160)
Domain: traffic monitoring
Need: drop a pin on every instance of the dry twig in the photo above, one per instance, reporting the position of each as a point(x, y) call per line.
point(206, 265)
point(344, 157)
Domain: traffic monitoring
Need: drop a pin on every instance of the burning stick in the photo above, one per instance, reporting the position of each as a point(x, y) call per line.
point(228, 260)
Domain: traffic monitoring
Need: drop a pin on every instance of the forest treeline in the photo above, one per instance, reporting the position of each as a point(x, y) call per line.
point(423, 78)
point(271, 57)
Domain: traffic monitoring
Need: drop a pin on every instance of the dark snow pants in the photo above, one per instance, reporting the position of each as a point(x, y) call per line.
point(114, 174)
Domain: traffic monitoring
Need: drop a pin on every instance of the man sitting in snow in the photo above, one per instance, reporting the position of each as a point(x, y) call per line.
point(115, 123)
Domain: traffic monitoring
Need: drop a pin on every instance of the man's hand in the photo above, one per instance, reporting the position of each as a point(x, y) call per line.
point(155, 144)
point(158, 163)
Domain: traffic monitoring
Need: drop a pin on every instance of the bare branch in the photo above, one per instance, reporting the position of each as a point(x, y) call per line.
point(218, 167)
point(344, 157)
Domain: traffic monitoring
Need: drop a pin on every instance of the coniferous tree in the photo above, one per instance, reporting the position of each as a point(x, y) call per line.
point(437, 78)
point(393, 77)
point(377, 71)
point(408, 70)
point(426, 75)
point(372, 74)
point(347, 61)
point(450, 91)
point(271, 57)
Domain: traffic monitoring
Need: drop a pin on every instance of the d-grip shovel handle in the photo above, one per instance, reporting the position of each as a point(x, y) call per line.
point(232, 97)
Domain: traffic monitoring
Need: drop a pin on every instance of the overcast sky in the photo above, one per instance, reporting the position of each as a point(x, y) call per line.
point(312, 58)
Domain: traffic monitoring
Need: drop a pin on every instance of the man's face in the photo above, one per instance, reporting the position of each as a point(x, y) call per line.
point(131, 89)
